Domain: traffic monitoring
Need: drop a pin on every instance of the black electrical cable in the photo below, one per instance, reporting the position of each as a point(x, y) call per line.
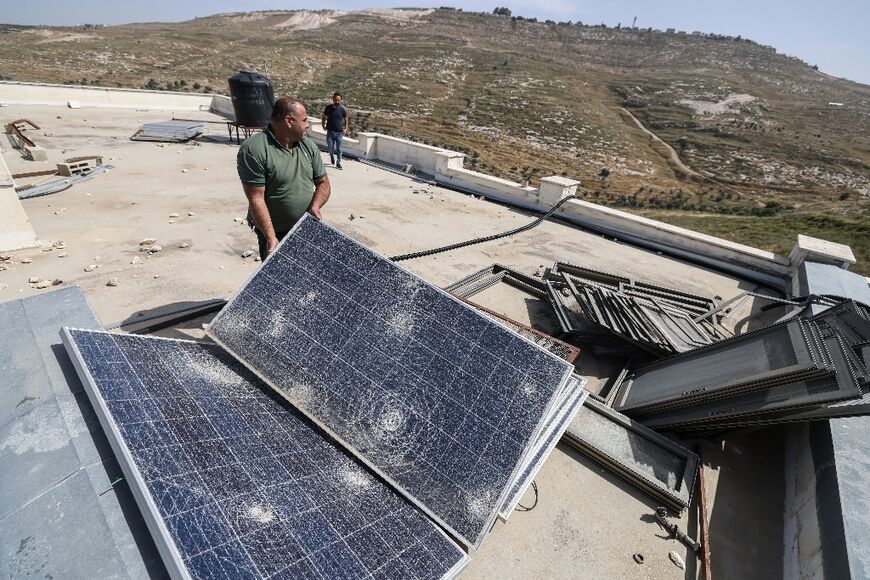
point(483, 239)
point(522, 508)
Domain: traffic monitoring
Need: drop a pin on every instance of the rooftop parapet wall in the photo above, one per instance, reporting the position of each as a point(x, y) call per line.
point(447, 168)
point(60, 95)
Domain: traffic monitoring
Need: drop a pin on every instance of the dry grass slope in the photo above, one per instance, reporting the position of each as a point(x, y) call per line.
point(769, 157)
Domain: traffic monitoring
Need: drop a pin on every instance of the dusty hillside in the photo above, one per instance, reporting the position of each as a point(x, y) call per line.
point(716, 133)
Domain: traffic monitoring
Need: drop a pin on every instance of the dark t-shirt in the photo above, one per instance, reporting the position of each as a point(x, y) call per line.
point(335, 117)
point(287, 174)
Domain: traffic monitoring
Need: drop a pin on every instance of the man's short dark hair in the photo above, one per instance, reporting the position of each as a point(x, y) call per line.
point(285, 106)
point(336, 94)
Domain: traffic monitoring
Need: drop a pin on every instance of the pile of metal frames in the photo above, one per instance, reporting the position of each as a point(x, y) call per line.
point(599, 307)
point(169, 131)
point(796, 370)
point(495, 274)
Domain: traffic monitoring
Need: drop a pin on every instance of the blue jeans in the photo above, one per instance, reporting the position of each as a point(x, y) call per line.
point(333, 145)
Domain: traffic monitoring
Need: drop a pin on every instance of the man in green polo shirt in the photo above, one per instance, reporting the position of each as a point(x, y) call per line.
point(282, 174)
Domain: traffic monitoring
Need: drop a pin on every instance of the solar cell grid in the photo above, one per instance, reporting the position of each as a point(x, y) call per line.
point(236, 481)
point(440, 400)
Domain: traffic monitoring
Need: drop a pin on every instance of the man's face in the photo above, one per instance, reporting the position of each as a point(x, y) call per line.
point(336, 100)
point(297, 123)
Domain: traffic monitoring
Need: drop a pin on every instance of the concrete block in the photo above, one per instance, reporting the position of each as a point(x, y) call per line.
point(448, 161)
point(818, 250)
point(553, 189)
point(76, 168)
point(36, 153)
point(368, 144)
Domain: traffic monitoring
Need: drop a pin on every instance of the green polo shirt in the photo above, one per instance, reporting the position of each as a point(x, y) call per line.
point(287, 174)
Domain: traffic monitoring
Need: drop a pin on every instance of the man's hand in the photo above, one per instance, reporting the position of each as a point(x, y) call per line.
point(271, 244)
point(321, 196)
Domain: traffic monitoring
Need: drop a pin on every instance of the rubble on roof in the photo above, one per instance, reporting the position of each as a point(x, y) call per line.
point(58, 185)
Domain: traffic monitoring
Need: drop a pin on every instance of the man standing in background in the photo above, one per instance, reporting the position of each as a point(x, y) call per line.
point(334, 120)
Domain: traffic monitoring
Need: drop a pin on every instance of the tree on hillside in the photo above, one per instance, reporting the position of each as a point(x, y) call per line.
point(502, 11)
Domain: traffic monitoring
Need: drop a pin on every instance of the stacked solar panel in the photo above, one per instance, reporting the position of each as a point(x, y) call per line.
point(434, 396)
point(795, 370)
point(348, 411)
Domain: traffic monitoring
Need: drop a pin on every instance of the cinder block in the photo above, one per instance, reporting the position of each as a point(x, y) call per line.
point(76, 168)
point(36, 153)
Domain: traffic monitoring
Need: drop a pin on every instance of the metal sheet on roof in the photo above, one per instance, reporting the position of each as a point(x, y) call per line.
point(169, 131)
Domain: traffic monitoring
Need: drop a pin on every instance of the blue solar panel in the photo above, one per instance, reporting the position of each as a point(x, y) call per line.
point(236, 483)
point(437, 398)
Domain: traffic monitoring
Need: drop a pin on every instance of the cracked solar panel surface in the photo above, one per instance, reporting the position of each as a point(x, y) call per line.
point(237, 482)
point(441, 401)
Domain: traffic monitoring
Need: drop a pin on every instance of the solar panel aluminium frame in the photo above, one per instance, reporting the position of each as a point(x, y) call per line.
point(572, 321)
point(574, 399)
point(479, 281)
point(638, 318)
point(677, 502)
point(473, 544)
point(847, 378)
point(150, 513)
point(686, 300)
point(800, 347)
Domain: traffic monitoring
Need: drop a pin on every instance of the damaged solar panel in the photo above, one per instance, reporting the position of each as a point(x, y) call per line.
point(438, 399)
point(234, 482)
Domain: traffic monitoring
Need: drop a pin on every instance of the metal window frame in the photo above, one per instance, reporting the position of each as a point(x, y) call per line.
point(677, 501)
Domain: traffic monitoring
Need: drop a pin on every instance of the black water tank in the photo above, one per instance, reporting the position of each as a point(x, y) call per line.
point(252, 97)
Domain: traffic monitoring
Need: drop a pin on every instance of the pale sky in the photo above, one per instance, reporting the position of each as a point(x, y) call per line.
point(832, 34)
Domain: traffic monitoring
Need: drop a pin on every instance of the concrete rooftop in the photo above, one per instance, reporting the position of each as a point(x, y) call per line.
point(586, 523)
